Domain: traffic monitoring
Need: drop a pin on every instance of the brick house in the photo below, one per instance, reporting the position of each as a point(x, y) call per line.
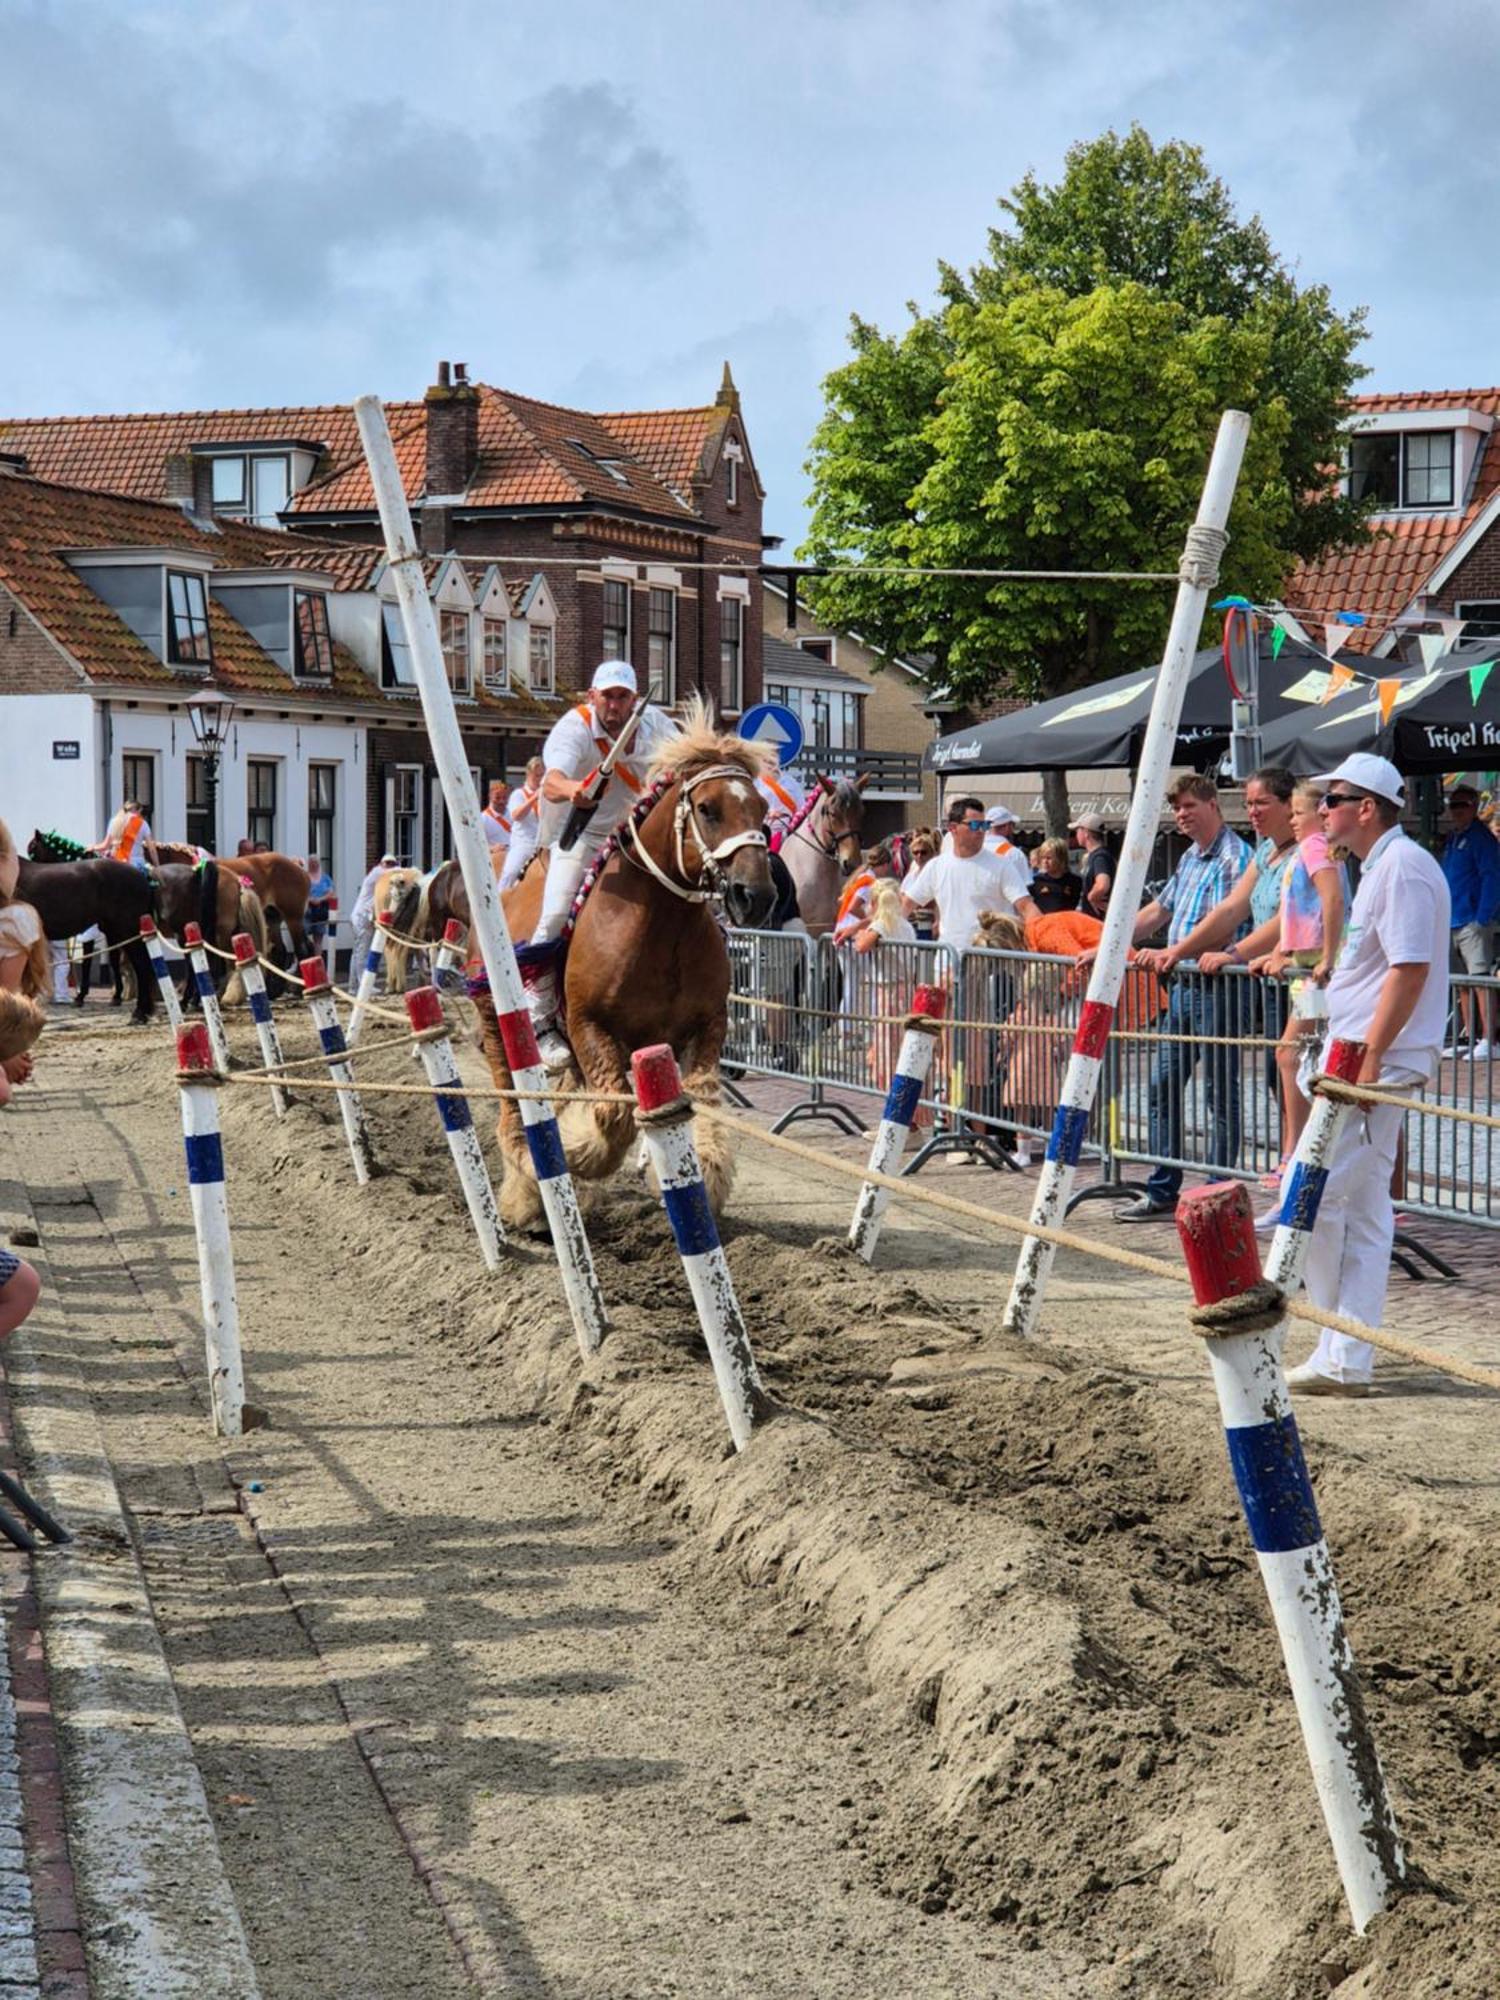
point(862, 710)
point(116, 611)
point(1432, 461)
point(645, 523)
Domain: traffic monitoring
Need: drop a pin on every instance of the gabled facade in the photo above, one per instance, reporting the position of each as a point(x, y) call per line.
point(1431, 461)
point(645, 524)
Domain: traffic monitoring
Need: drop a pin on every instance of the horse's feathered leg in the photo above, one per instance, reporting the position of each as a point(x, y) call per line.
point(596, 1137)
point(701, 1081)
point(520, 1198)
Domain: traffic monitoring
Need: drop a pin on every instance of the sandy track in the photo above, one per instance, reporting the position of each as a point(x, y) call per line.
point(962, 1684)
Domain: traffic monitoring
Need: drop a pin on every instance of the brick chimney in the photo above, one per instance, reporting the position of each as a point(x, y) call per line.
point(452, 429)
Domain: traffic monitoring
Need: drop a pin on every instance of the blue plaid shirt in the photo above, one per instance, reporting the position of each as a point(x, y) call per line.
point(1201, 880)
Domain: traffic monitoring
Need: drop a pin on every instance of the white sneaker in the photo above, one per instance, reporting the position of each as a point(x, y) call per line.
point(555, 1053)
point(1480, 1052)
point(1309, 1381)
point(1270, 1222)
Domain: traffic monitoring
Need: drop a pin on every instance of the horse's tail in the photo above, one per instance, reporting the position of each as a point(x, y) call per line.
point(251, 917)
point(208, 903)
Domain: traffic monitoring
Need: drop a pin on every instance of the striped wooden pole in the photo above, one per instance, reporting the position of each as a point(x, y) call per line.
point(208, 999)
point(325, 1015)
point(450, 953)
point(666, 1116)
point(165, 983)
point(917, 1044)
point(425, 1012)
point(367, 978)
point(1305, 1179)
point(197, 1074)
point(254, 982)
point(1265, 1455)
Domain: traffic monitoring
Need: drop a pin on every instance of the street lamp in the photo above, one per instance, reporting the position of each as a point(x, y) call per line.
point(210, 714)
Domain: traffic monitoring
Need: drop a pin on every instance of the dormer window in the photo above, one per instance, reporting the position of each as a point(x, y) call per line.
point(454, 630)
point(187, 621)
point(613, 466)
point(252, 486)
point(314, 641)
point(1400, 469)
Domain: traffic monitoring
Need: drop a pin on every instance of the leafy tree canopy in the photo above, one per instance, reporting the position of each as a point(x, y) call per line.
point(1055, 411)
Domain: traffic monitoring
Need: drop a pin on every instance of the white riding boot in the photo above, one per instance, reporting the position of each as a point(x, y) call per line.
point(541, 1005)
point(564, 873)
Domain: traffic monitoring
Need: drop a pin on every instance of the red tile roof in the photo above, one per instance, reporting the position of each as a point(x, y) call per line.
point(1381, 577)
point(672, 443)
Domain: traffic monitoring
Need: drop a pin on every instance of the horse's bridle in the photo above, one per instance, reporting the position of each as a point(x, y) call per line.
point(830, 852)
point(685, 819)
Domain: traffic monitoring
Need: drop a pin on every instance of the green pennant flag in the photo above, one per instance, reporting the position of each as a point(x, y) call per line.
point(1477, 678)
point(1278, 640)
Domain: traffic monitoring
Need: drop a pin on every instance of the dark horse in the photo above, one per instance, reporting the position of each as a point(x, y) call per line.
point(69, 896)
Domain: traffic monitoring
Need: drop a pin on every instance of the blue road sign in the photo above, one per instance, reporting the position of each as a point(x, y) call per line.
point(769, 722)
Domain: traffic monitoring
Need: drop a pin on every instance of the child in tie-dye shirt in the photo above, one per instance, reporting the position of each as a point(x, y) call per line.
point(1314, 897)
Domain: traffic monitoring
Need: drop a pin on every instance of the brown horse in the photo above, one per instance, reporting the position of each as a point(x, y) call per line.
point(217, 899)
point(825, 849)
point(420, 907)
point(647, 962)
point(283, 886)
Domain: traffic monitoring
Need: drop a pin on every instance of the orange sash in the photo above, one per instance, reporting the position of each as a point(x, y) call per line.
point(863, 880)
point(498, 817)
point(125, 846)
point(785, 797)
point(603, 745)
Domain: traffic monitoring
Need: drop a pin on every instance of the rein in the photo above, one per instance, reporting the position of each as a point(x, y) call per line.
point(802, 829)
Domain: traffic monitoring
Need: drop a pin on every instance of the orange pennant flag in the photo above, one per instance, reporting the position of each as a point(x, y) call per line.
point(1338, 677)
point(1387, 690)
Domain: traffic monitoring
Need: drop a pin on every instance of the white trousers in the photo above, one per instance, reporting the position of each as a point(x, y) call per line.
point(516, 857)
point(1349, 1258)
point(564, 873)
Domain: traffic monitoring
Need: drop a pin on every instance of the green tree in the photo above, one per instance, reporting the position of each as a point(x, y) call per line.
point(1055, 411)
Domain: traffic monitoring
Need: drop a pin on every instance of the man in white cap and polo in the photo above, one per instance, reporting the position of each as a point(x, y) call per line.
point(572, 754)
point(1388, 990)
point(998, 822)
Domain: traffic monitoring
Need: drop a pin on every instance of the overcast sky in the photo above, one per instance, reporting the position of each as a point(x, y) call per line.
point(222, 202)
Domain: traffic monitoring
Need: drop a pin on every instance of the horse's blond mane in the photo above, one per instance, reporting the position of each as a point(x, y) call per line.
point(702, 743)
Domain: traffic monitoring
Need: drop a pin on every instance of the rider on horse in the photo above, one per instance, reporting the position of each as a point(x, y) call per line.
point(578, 745)
point(128, 838)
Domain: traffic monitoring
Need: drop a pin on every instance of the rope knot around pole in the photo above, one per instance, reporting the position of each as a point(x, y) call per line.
point(1259, 1310)
point(1199, 568)
point(671, 1113)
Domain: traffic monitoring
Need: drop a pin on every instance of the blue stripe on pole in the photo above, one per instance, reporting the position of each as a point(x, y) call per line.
point(1068, 1127)
point(372, 959)
point(204, 981)
point(454, 1112)
point(1301, 1196)
point(332, 1039)
point(205, 1158)
point(547, 1154)
point(1271, 1473)
point(691, 1218)
point(260, 1007)
point(158, 964)
point(902, 1098)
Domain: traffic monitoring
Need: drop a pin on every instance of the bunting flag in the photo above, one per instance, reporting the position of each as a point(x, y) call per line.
point(1288, 624)
point(1339, 678)
point(1451, 628)
point(1387, 690)
point(1477, 678)
point(1278, 640)
point(1334, 635)
point(1432, 646)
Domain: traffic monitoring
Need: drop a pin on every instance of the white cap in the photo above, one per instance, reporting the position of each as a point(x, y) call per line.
point(1372, 774)
point(614, 674)
point(999, 815)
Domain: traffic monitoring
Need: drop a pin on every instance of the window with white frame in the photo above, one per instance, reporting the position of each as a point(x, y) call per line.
point(322, 812)
point(403, 817)
point(661, 646)
point(252, 486)
point(540, 665)
point(496, 661)
point(396, 669)
point(314, 641)
point(732, 460)
point(187, 620)
point(453, 630)
point(616, 619)
point(731, 654)
point(199, 829)
point(260, 800)
point(1402, 468)
point(138, 778)
point(1482, 618)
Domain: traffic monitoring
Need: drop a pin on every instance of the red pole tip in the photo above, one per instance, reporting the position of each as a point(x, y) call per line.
point(243, 946)
point(313, 972)
point(194, 1050)
point(453, 931)
point(424, 1009)
point(931, 1001)
point(191, 934)
point(382, 919)
point(1344, 1060)
point(148, 927)
point(658, 1080)
point(1217, 1228)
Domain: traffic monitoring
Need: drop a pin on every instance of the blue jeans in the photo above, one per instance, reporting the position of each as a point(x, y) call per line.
point(1195, 1006)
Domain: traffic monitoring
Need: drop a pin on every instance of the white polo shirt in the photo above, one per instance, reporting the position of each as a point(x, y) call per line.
point(577, 745)
point(1400, 917)
point(962, 887)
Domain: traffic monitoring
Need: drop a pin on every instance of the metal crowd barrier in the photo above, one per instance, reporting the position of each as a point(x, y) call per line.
point(828, 1018)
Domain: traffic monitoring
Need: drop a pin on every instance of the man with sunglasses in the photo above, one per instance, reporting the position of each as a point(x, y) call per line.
point(967, 878)
point(1389, 990)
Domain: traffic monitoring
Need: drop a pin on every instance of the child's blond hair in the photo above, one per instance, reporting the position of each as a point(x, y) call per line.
point(21, 1021)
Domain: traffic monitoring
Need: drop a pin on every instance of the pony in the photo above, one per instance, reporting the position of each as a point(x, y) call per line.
point(647, 961)
point(398, 894)
point(825, 849)
point(69, 896)
point(422, 910)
